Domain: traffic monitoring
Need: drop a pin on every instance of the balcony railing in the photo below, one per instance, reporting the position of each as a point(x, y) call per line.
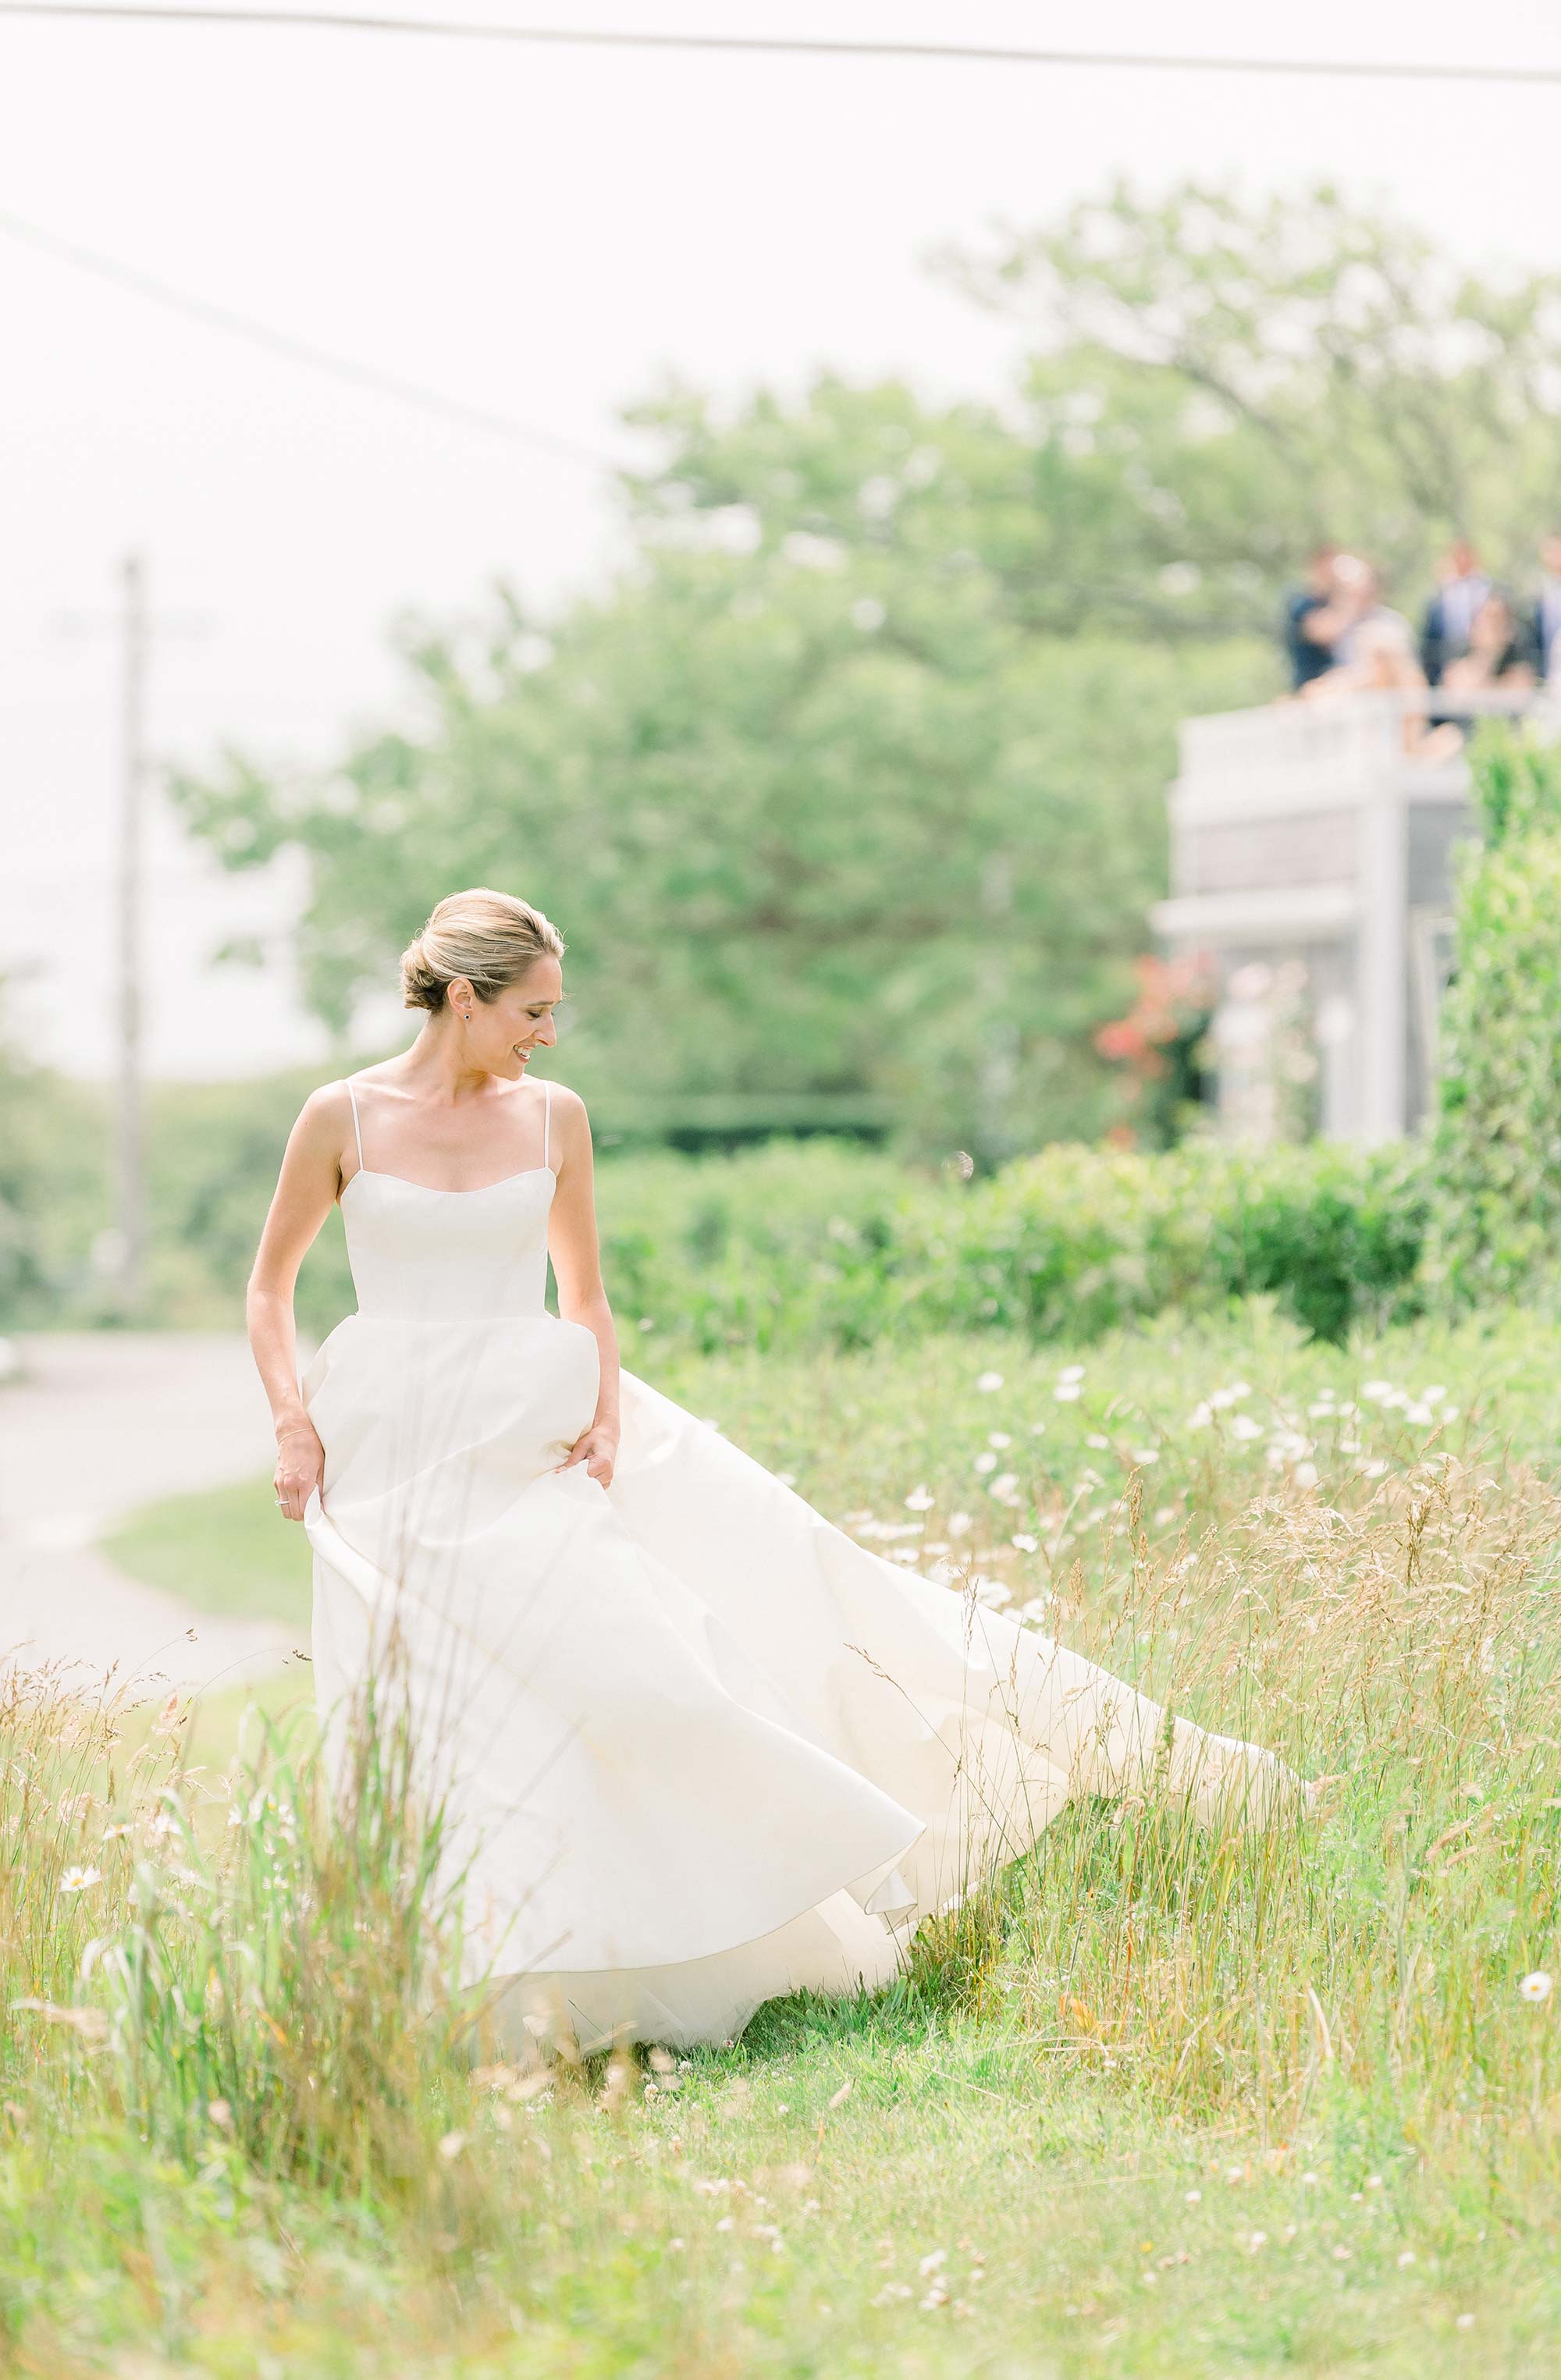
point(1296, 749)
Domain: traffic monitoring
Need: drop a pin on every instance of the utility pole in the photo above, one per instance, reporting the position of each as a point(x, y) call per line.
point(998, 1066)
point(120, 1253)
point(129, 1148)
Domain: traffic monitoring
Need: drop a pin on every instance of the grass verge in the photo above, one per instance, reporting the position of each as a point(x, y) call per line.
point(1163, 2104)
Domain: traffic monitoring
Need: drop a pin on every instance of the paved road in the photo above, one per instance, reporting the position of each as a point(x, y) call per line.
point(101, 1422)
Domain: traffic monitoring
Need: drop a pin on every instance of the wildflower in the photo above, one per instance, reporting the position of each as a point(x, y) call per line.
point(1200, 1416)
point(1071, 1372)
point(451, 2146)
point(1036, 1428)
point(1406, 2258)
point(1096, 1441)
point(1066, 1392)
point(932, 2264)
point(1379, 1391)
point(1535, 1989)
point(988, 1382)
point(998, 1437)
point(1004, 1488)
point(1245, 1427)
point(1145, 1453)
point(80, 1879)
point(1024, 1545)
point(1306, 1474)
point(919, 1501)
point(958, 1524)
point(986, 1461)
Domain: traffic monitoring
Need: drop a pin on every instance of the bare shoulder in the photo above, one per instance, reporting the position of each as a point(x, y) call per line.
point(568, 1116)
point(325, 1120)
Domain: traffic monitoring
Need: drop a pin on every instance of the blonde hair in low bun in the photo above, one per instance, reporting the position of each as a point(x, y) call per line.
point(490, 938)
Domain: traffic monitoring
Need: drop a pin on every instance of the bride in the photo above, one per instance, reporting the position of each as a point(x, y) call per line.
point(695, 1747)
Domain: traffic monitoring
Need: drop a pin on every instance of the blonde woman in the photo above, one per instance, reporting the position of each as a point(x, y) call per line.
point(695, 1747)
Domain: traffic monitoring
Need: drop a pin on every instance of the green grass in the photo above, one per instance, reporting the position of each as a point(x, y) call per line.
point(1164, 2105)
point(228, 1551)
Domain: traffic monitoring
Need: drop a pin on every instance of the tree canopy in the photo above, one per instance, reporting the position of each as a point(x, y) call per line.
point(847, 792)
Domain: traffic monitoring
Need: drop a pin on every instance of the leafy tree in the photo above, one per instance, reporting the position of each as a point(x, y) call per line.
point(1217, 382)
point(847, 793)
point(828, 832)
point(53, 1142)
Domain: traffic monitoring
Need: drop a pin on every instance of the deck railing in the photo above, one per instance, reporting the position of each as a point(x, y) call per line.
point(1343, 743)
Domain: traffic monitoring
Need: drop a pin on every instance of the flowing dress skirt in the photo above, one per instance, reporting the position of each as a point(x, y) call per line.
point(696, 1747)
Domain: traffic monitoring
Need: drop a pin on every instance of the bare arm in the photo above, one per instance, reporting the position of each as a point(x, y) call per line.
point(577, 1265)
point(306, 1190)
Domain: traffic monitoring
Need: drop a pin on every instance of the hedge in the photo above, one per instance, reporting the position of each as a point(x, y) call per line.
point(791, 1246)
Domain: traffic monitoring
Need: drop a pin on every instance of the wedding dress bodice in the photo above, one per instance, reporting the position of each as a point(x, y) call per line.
point(447, 1255)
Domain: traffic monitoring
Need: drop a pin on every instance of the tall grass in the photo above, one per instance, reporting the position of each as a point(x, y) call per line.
point(253, 1987)
point(263, 1957)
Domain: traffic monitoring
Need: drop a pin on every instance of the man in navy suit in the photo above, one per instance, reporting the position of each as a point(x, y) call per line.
point(1449, 615)
point(1544, 623)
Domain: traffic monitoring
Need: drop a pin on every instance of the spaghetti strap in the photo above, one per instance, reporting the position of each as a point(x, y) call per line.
point(546, 1117)
point(357, 1133)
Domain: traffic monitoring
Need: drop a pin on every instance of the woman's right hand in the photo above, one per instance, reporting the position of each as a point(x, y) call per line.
point(300, 1467)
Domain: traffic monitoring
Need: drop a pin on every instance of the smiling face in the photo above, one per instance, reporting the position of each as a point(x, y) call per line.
point(499, 1036)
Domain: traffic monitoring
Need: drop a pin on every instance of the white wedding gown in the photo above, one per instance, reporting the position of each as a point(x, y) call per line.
point(696, 1747)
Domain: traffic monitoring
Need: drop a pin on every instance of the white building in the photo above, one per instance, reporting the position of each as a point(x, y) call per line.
point(1304, 839)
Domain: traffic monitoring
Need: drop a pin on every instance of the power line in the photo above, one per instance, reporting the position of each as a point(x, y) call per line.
point(777, 45)
point(300, 351)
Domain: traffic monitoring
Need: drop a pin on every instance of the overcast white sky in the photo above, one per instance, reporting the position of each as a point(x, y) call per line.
point(542, 233)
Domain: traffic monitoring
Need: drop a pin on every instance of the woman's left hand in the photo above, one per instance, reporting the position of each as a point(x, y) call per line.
point(598, 1449)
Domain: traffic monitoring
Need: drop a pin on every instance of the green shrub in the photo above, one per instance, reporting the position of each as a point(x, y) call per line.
point(817, 1243)
point(1496, 1224)
point(792, 1247)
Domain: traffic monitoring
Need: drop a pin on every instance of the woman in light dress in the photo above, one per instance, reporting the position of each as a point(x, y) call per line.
point(695, 1747)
